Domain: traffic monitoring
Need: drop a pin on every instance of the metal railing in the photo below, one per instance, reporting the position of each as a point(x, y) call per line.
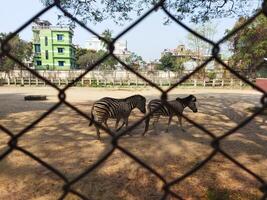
point(215, 140)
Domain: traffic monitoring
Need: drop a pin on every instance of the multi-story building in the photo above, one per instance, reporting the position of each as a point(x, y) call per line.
point(52, 47)
point(120, 47)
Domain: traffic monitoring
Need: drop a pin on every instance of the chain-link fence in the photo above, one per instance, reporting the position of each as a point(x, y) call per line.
point(216, 140)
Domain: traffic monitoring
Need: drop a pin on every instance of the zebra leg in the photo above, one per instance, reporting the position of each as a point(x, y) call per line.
point(117, 123)
point(97, 132)
point(121, 126)
point(126, 125)
point(154, 124)
point(106, 124)
point(180, 122)
point(169, 122)
point(146, 125)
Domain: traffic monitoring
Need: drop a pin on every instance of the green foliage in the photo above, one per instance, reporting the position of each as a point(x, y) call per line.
point(135, 61)
point(90, 57)
point(80, 52)
point(109, 64)
point(86, 58)
point(211, 75)
point(169, 62)
point(21, 49)
point(124, 10)
point(249, 46)
point(107, 34)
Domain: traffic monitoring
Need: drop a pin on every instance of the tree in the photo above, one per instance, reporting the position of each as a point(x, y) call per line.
point(109, 64)
point(167, 62)
point(87, 59)
point(107, 34)
point(123, 10)
point(79, 52)
point(90, 57)
point(200, 48)
point(21, 49)
point(249, 46)
point(135, 61)
point(173, 63)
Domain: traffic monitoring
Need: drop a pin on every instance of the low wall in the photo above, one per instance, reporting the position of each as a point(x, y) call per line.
point(262, 83)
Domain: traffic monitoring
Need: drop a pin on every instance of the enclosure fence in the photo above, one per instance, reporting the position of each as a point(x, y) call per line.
point(167, 186)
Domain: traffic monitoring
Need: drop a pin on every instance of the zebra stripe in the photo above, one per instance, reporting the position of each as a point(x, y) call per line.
point(177, 106)
point(118, 109)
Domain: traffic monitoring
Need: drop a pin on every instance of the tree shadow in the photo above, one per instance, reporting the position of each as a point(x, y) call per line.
point(65, 141)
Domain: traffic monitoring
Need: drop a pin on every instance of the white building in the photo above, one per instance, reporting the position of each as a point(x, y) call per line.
point(120, 47)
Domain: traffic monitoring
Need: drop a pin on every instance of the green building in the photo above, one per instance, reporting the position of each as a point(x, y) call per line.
point(52, 47)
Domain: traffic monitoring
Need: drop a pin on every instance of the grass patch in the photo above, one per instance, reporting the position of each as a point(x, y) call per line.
point(217, 194)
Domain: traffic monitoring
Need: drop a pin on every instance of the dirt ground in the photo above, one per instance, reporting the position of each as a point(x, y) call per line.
point(65, 141)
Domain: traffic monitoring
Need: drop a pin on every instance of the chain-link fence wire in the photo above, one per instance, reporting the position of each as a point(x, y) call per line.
point(215, 142)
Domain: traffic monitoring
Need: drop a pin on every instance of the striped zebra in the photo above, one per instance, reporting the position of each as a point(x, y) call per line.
point(179, 104)
point(118, 109)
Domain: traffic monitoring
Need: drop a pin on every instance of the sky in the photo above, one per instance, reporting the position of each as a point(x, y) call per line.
point(148, 39)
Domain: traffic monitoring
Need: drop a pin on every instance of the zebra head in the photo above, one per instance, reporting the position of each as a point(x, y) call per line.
point(192, 103)
point(141, 103)
point(137, 101)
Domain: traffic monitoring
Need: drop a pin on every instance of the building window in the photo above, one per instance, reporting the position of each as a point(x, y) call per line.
point(46, 41)
point(37, 48)
point(61, 63)
point(46, 54)
point(39, 62)
point(60, 37)
point(60, 50)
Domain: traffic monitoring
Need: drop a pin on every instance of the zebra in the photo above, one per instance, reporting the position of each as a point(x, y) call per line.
point(179, 105)
point(108, 107)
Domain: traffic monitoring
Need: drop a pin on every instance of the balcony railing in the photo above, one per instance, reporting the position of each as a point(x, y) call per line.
point(60, 28)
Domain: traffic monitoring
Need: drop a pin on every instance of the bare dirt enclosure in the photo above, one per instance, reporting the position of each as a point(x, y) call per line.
point(64, 140)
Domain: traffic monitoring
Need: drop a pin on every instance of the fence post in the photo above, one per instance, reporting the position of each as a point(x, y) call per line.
point(232, 82)
point(213, 83)
point(15, 81)
point(90, 81)
point(36, 81)
point(97, 81)
point(195, 83)
point(82, 81)
point(30, 81)
point(22, 81)
point(241, 83)
point(59, 81)
point(204, 83)
point(8, 81)
point(222, 82)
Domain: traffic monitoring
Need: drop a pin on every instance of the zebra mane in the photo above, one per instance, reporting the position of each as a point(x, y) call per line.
point(134, 97)
point(185, 101)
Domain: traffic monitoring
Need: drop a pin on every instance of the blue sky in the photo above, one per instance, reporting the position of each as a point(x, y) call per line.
point(148, 39)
